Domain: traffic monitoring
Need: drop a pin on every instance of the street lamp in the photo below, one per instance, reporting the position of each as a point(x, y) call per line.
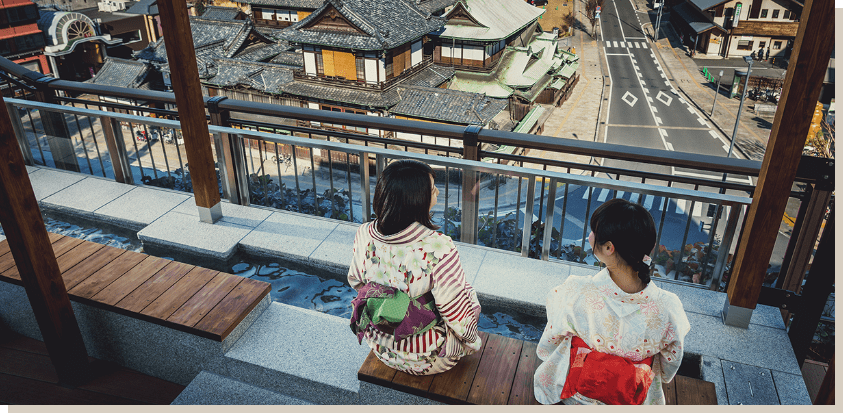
point(748, 61)
point(658, 19)
point(716, 91)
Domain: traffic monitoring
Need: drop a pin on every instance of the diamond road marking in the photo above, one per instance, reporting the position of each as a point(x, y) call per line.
point(655, 109)
point(713, 134)
point(664, 98)
point(631, 100)
point(648, 201)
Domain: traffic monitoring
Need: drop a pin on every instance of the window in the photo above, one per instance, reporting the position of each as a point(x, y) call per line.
point(129, 37)
point(761, 45)
point(764, 13)
point(776, 14)
point(786, 15)
point(745, 44)
point(359, 62)
point(777, 45)
point(320, 67)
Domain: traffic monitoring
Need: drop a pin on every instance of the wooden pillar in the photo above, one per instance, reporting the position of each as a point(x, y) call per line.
point(811, 52)
point(36, 261)
point(826, 393)
point(191, 107)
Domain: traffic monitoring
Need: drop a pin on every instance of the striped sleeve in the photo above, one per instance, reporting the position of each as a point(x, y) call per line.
point(355, 270)
point(458, 306)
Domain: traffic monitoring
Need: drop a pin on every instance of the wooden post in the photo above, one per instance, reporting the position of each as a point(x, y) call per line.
point(826, 393)
point(36, 261)
point(811, 52)
point(191, 107)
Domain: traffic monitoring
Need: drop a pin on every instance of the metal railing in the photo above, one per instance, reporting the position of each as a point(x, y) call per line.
point(535, 212)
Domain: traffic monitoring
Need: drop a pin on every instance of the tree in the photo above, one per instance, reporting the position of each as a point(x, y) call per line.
point(821, 144)
point(591, 12)
point(568, 22)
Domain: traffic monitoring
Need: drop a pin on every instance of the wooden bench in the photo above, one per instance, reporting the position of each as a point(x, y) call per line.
point(501, 372)
point(184, 297)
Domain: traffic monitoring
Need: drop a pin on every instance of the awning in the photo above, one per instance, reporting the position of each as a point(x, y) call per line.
point(695, 20)
point(530, 120)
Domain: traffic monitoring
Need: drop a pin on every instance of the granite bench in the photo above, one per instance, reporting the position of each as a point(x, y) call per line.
point(502, 373)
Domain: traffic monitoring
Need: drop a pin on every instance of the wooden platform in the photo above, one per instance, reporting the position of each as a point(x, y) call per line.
point(184, 297)
point(27, 377)
point(501, 372)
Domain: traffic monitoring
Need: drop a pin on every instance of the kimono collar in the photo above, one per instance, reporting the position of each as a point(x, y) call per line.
point(413, 232)
point(621, 302)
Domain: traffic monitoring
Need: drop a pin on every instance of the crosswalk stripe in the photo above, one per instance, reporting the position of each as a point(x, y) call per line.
point(603, 194)
point(616, 44)
point(585, 193)
point(680, 206)
point(697, 209)
point(622, 44)
point(713, 134)
point(661, 205)
point(648, 201)
point(620, 194)
point(637, 45)
point(633, 197)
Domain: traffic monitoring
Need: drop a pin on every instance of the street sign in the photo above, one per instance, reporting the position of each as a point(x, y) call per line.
point(598, 9)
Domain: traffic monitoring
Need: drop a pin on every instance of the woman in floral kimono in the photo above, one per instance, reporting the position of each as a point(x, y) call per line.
point(413, 306)
point(615, 337)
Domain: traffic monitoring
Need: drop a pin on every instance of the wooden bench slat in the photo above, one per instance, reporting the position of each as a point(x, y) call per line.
point(131, 280)
point(60, 248)
point(153, 287)
point(234, 308)
point(669, 390)
point(409, 383)
point(454, 385)
point(205, 299)
point(374, 371)
point(91, 265)
point(496, 371)
point(92, 285)
point(76, 255)
point(5, 248)
point(690, 391)
point(170, 301)
point(522, 387)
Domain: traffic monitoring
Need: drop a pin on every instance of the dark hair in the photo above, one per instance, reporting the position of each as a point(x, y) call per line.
point(630, 228)
point(403, 196)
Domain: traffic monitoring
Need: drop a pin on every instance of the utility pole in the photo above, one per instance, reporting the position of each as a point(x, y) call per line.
point(660, 6)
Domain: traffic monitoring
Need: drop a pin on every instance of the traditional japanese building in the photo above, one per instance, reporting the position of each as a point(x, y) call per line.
point(75, 45)
point(732, 28)
point(478, 31)
point(280, 13)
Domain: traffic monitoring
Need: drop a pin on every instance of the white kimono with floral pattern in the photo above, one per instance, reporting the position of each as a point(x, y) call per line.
point(418, 260)
point(634, 326)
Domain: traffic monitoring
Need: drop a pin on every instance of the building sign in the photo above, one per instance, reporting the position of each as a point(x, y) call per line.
point(737, 14)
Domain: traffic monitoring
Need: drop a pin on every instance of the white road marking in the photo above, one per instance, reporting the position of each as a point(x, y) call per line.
point(649, 99)
point(655, 109)
point(669, 145)
point(616, 44)
point(662, 132)
point(661, 205)
point(617, 54)
point(713, 134)
point(648, 201)
point(697, 212)
point(620, 194)
point(631, 101)
point(658, 120)
point(664, 98)
point(701, 121)
point(663, 76)
point(704, 176)
point(680, 206)
point(585, 193)
point(603, 194)
point(633, 197)
point(690, 110)
point(726, 148)
point(666, 83)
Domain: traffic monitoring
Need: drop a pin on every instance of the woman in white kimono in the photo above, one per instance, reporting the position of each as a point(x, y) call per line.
point(615, 337)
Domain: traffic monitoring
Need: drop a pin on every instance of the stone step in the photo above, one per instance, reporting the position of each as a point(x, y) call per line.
point(304, 355)
point(212, 389)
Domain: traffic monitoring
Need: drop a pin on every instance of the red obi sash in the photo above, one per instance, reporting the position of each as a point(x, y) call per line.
point(605, 377)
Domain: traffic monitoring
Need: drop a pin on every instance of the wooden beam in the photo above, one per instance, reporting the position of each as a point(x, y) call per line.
point(191, 107)
point(811, 52)
point(36, 262)
point(826, 393)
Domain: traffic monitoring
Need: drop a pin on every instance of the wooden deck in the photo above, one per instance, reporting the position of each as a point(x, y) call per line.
point(27, 377)
point(502, 373)
point(814, 373)
point(184, 297)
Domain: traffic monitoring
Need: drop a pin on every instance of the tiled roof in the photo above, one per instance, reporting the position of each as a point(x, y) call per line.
point(149, 7)
point(447, 105)
point(220, 13)
point(431, 6)
point(386, 24)
point(431, 76)
point(259, 76)
point(707, 4)
point(499, 19)
point(293, 59)
point(293, 4)
point(120, 73)
point(360, 97)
